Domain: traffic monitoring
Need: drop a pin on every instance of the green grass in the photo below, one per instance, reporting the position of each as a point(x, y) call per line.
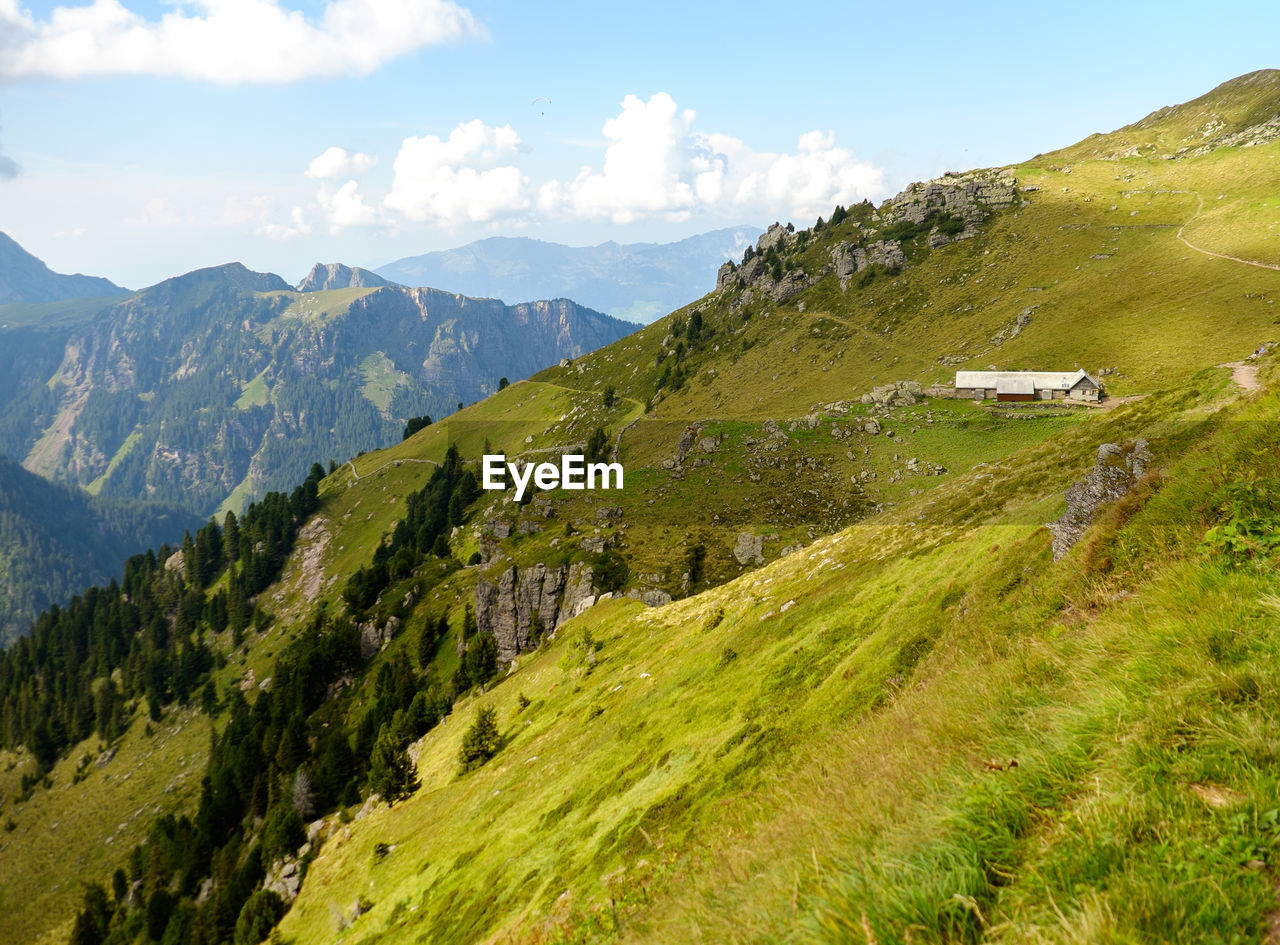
point(72, 833)
point(126, 447)
point(837, 766)
point(255, 393)
point(380, 381)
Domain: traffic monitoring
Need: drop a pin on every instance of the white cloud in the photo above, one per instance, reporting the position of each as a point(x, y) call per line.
point(653, 164)
point(459, 180)
point(227, 41)
point(335, 162)
point(280, 232)
point(346, 207)
point(158, 211)
point(656, 164)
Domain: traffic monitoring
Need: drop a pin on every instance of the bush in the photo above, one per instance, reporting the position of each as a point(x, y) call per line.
point(481, 741)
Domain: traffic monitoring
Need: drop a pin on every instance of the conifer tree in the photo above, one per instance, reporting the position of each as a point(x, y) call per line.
point(391, 773)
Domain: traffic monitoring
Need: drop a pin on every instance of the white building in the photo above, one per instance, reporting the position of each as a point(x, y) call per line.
point(1027, 385)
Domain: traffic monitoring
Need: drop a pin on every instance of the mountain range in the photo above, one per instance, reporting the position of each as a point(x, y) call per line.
point(211, 388)
point(637, 282)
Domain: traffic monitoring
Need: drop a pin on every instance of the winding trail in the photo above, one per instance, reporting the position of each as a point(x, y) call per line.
point(1209, 252)
point(394, 462)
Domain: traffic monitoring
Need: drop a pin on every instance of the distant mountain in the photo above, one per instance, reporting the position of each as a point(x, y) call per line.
point(24, 278)
point(219, 385)
point(56, 541)
point(337, 276)
point(638, 282)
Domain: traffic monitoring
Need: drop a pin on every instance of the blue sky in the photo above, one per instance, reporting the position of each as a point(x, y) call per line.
point(139, 140)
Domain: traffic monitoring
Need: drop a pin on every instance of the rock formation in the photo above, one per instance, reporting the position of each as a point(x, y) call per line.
point(1116, 471)
point(507, 609)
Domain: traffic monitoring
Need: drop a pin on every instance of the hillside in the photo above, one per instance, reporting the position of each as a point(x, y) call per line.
point(814, 675)
point(56, 541)
point(212, 388)
point(638, 282)
point(24, 278)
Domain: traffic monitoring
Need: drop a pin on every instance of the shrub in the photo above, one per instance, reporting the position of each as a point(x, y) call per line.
point(261, 912)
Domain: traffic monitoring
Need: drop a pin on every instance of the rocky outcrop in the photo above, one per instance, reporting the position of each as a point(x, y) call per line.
point(1117, 470)
point(971, 197)
point(507, 609)
point(895, 394)
point(323, 277)
point(791, 284)
point(776, 235)
point(373, 638)
point(848, 259)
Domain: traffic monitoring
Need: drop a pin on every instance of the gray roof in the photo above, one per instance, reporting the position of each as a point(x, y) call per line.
point(1039, 380)
point(1015, 385)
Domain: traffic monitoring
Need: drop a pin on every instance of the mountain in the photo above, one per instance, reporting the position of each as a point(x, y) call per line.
point(323, 277)
point(56, 541)
point(637, 281)
point(23, 278)
point(216, 386)
point(817, 673)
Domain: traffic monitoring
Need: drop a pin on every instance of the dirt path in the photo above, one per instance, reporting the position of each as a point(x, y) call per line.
point(1208, 252)
point(1245, 375)
point(394, 462)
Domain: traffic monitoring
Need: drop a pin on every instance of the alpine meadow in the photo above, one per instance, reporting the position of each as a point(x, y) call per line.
point(849, 658)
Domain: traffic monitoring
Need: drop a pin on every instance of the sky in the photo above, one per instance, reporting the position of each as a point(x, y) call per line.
point(140, 139)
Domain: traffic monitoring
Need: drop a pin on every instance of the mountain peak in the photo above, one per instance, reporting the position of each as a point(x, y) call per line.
point(325, 276)
point(24, 278)
point(1240, 112)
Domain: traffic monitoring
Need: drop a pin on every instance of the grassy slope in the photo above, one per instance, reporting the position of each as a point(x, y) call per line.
point(854, 725)
point(76, 833)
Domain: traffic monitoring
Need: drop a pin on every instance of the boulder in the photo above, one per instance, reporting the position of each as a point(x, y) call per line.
point(749, 548)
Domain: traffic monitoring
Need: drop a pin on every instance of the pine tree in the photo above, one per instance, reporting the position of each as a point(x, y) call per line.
point(481, 741)
point(391, 773)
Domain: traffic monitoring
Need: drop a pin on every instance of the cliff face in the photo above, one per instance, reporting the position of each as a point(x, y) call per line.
point(508, 608)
